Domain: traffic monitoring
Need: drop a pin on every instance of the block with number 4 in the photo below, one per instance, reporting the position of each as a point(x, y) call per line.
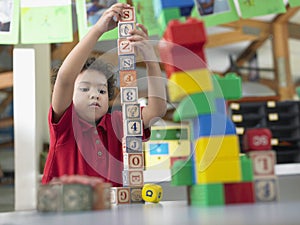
point(132, 144)
point(133, 161)
point(133, 178)
point(133, 128)
point(131, 111)
point(129, 95)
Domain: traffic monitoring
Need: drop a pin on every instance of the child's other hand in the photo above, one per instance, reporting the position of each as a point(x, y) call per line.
point(140, 40)
point(109, 19)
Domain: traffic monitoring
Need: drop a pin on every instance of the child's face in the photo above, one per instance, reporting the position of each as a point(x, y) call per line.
point(91, 95)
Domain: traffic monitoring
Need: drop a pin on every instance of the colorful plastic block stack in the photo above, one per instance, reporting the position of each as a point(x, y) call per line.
point(133, 159)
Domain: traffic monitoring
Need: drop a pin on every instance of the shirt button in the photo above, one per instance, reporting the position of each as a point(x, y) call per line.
point(97, 142)
point(96, 132)
point(99, 153)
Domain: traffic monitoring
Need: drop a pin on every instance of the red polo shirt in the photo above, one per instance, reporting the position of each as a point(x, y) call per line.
point(77, 147)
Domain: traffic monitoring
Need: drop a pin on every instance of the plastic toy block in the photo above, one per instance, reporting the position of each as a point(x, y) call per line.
point(213, 125)
point(160, 5)
point(218, 171)
point(120, 195)
point(207, 194)
point(152, 193)
point(182, 173)
point(131, 111)
point(128, 78)
point(173, 159)
point(169, 133)
point(64, 197)
point(231, 86)
point(167, 15)
point(256, 139)
point(194, 105)
point(266, 189)
point(181, 84)
point(132, 144)
point(181, 58)
point(221, 106)
point(247, 168)
point(136, 195)
point(133, 161)
point(215, 148)
point(263, 163)
point(133, 178)
point(237, 193)
point(191, 32)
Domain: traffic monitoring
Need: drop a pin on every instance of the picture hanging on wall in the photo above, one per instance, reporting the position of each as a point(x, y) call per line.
point(214, 12)
point(46, 21)
point(9, 21)
point(88, 13)
point(294, 3)
point(253, 8)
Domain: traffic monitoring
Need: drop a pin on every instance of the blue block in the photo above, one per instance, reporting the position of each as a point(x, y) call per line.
point(220, 104)
point(159, 149)
point(158, 5)
point(213, 125)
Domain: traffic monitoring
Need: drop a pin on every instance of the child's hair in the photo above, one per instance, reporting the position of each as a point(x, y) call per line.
point(94, 63)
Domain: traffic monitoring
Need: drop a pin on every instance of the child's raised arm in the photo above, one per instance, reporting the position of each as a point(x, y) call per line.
point(72, 65)
point(157, 106)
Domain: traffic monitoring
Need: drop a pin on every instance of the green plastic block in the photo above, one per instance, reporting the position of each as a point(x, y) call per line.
point(169, 134)
point(194, 105)
point(207, 194)
point(231, 86)
point(247, 168)
point(168, 14)
point(182, 173)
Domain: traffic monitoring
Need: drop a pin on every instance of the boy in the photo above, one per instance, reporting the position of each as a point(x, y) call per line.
point(84, 138)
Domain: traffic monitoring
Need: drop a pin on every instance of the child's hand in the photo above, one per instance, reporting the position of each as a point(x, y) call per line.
point(140, 40)
point(109, 19)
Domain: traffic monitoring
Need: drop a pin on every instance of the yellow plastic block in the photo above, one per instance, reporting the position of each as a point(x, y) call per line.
point(209, 149)
point(152, 193)
point(181, 83)
point(220, 171)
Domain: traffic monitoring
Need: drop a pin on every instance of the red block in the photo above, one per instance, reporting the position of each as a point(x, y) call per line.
point(257, 139)
point(236, 193)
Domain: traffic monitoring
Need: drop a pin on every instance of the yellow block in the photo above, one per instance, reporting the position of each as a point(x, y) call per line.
point(152, 193)
point(181, 84)
point(209, 149)
point(220, 171)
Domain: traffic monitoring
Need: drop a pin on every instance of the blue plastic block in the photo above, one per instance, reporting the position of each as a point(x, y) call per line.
point(213, 125)
point(221, 105)
point(159, 5)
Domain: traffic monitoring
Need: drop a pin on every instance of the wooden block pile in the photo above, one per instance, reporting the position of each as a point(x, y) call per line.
point(133, 158)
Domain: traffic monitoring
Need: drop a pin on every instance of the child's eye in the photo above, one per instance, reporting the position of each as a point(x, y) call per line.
point(83, 89)
point(102, 92)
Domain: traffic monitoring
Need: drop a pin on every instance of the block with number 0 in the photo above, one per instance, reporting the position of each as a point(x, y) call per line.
point(133, 128)
point(131, 111)
point(129, 95)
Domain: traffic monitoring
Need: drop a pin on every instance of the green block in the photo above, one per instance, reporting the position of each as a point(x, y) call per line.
point(194, 105)
point(207, 194)
point(247, 168)
point(168, 14)
point(169, 134)
point(182, 173)
point(231, 86)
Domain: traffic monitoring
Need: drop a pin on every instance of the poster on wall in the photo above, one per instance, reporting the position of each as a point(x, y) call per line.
point(214, 12)
point(9, 21)
point(294, 3)
point(252, 8)
point(88, 13)
point(46, 21)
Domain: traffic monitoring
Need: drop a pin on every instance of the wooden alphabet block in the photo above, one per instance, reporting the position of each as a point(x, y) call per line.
point(266, 189)
point(133, 161)
point(133, 128)
point(128, 15)
point(125, 47)
point(129, 95)
point(102, 196)
point(263, 163)
point(124, 29)
point(136, 195)
point(128, 78)
point(132, 144)
point(133, 178)
point(127, 62)
point(131, 111)
point(120, 195)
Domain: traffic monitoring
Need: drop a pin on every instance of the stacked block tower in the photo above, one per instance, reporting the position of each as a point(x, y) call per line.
point(133, 159)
